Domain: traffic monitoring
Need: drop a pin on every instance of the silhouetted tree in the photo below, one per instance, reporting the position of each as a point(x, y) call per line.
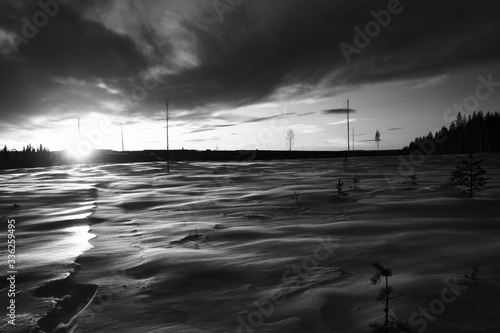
point(340, 191)
point(411, 182)
point(470, 175)
point(355, 182)
point(290, 139)
point(377, 138)
point(345, 163)
point(391, 324)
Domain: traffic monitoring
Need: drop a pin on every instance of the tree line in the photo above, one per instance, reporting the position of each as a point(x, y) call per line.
point(477, 132)
point(28, 149)
point(28, 157)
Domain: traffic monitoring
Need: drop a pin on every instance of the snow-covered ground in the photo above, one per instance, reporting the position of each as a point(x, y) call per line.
point(226, 247)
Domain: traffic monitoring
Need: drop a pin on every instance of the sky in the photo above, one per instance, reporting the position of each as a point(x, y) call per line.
point(238, 74)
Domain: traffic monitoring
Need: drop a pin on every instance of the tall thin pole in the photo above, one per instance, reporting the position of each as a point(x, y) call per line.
point(121, 127)
point(168, 150)
point(79, 138)
point(348, 141)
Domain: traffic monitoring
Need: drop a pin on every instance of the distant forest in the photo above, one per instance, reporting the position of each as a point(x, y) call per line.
point(476, 133)
point(28, 157)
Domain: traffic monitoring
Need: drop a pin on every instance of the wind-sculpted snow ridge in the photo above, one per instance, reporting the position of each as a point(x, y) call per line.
point(50, 207)
point(224, 247)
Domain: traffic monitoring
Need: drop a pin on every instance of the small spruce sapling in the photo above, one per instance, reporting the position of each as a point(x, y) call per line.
point(473, 276)
point(345, 163)
point(295, 195)
point(411, 182)
point(469, 175)
point(391, 324)
point(340, 192)
point(355, 182)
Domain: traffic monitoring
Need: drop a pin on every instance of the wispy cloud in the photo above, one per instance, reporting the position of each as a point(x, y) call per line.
point(431, 82)
point(309, 129)
point(206, 128)
point(340, 122)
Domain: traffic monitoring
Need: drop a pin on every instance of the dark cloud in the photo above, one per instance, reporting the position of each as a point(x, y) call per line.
point(37, 72)
point(261, 48)
point(336, 111)
point(395, 129)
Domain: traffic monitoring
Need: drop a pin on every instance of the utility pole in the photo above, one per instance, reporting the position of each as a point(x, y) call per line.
point(353, 139)
point(168, 150)
point(79, 139)
point(121, 127)
point(348, 141)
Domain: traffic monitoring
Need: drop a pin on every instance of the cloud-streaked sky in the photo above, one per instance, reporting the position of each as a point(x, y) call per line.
point(239, 74)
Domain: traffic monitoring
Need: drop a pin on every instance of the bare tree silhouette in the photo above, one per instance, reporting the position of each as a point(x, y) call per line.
point(290, 139)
